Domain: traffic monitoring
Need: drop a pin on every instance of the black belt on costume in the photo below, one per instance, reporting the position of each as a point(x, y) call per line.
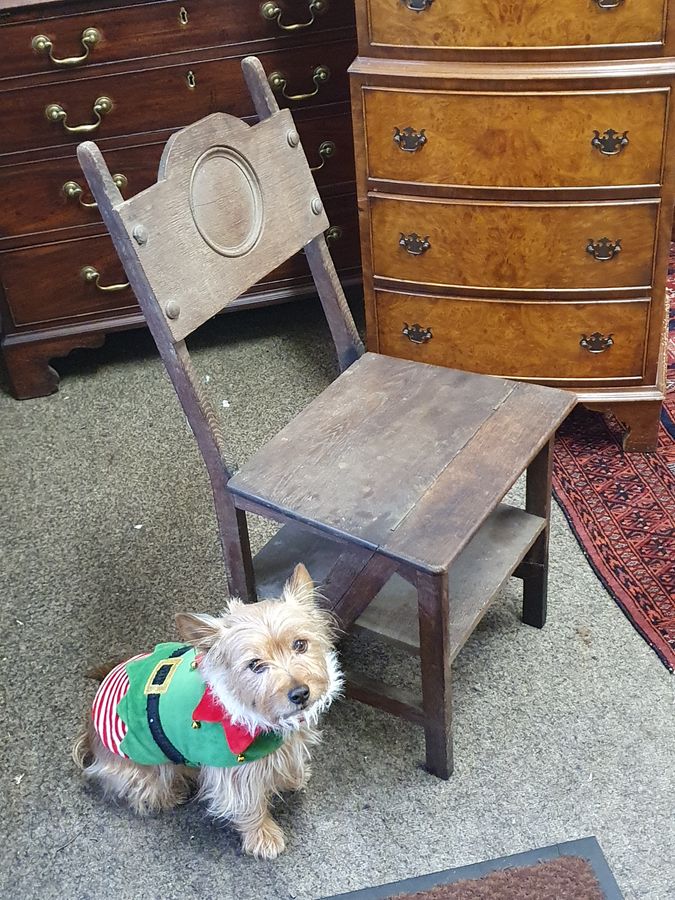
point(157, 685)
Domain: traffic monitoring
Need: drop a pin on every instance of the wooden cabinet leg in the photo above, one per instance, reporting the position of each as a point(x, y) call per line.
point(535, 564)
point(27, 362)
point(432, 603)
point(642, 422)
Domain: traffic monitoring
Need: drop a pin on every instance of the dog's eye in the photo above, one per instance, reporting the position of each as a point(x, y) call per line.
point(300, 645)
point(257, 666)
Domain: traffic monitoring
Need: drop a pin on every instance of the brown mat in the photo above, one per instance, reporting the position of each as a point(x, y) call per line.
point(575, 870)
point(567, 878)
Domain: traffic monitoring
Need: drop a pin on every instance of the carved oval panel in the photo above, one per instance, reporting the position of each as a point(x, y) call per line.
point(226, 201)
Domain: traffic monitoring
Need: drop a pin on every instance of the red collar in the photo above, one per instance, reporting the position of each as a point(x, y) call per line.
point(210, 709)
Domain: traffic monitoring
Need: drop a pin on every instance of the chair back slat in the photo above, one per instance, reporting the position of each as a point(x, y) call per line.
point(234, 202)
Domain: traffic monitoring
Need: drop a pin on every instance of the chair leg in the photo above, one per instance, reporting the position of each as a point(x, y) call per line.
point(538, 502)
point(432, 604)
point(234, 540)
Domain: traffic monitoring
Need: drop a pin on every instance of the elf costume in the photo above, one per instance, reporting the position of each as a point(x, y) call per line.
point(156, 708)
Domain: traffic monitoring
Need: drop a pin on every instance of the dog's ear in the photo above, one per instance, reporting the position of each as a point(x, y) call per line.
point(299, 588)
point(199, 630)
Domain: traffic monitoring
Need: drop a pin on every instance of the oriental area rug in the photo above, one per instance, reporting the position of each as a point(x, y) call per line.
point(621, 507)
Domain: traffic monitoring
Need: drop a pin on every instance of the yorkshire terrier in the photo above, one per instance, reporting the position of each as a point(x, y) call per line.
point(234, 708)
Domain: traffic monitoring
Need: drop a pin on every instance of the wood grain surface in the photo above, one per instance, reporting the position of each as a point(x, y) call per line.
point(151, 29)
point(219, 234)
point(485, 24)
point(538, 140)
point(535, 340)
point(514, 245)
point(154, 98)
point(359, 458)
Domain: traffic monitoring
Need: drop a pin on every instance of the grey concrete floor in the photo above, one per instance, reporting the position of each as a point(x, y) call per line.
point(107, 530)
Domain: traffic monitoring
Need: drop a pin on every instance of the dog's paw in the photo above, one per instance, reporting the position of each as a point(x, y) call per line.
point(265, 842)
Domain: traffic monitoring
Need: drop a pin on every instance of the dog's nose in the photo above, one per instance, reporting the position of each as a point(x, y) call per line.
point(299, 694)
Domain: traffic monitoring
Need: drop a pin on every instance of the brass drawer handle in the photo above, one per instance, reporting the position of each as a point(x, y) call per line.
point(414, 244)
point(608, 4)
point(278, 82)
point(610, 143)
point(89, 38)
point(56, 113)
point(74, 191)
point(603, 249)
point(333, 234)
point(410, 140)
point(326, 150)
point(416, 333)
point(91, 276)
point(417, 6)
point(273, 12)
point(596, 342)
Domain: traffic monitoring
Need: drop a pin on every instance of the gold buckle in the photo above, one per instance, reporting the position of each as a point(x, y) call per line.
point(151, 688)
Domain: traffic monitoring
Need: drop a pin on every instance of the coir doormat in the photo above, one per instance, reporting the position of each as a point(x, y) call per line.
point(621, 508)
point(576, 870)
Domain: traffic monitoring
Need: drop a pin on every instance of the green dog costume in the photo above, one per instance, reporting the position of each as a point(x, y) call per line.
point(156, 709)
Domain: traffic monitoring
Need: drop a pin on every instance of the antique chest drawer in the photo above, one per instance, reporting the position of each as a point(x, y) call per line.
point(162, 98)
point(86, 38)
point(512, 246)
point(52, 193)
point(542, 341)
point(404, 27)
point(87, 277)
point(580, 139)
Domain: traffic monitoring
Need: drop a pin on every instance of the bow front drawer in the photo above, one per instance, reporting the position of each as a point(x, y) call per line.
point(541, 341)
point(402, 27)
point(82, 40)
point(512, 246)
point(523, 140)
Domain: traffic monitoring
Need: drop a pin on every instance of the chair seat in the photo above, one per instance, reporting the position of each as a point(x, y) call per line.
point(403, 458)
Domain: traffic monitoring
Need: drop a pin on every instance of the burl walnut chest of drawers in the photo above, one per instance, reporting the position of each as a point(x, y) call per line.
point(515, 173)
point(127, 73)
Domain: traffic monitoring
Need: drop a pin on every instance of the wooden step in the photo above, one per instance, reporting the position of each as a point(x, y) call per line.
point(475, 577)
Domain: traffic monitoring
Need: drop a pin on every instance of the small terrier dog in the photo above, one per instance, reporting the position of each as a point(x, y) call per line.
point(234, 709)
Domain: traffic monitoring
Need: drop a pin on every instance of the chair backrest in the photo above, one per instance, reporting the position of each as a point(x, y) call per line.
point(232, 202)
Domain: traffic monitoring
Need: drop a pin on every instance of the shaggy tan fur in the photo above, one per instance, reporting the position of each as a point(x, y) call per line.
point(254, 656)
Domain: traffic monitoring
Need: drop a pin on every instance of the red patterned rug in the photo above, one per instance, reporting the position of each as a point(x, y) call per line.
point(621, 508)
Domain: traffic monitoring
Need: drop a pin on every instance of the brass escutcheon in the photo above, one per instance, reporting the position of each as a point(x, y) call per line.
point(610, 143)
point(596, 342)
point(89, 38)
point(416, 333)
point(414, 244)
point(604, 249)
point(409, 140)
point(417, 6)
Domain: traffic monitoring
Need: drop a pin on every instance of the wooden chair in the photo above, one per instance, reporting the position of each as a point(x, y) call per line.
point(389, 484)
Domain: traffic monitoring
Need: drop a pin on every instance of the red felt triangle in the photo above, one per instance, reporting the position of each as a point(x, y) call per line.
point(210, 709)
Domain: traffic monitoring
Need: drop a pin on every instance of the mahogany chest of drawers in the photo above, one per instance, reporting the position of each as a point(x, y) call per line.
point(127, 73)
point(515, 176)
